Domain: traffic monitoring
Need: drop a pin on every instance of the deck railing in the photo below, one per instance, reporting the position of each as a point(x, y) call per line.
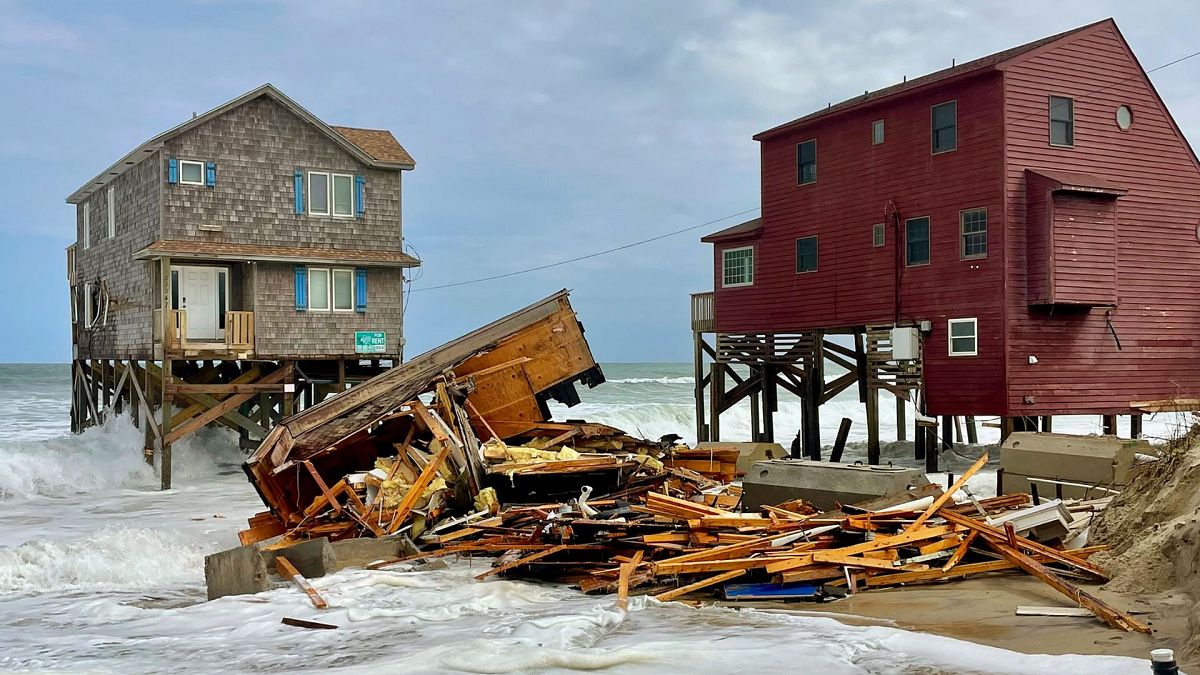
point(175, 336)
point(703, 317)
point(239, 330)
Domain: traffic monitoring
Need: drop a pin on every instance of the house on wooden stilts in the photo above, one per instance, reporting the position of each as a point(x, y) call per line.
point(1015, 236)
point(248, 263)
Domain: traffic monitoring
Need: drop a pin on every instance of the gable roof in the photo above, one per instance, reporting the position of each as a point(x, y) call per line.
point(985, 64)
point(390, 155)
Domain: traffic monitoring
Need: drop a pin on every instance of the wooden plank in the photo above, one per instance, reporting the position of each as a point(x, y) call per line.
point(874, 545)
point(225, 406)
point(623, 580)
point(960, 551)
point(288, 571)
point(945, 496)
point(330, 498)
point(305, 623)
point(835, 557)
point(546, 552)
point(1106, 613)
point(414, 493)
point(254, 388)
point(258, 533)
point(703, 583)
point(1063, 557)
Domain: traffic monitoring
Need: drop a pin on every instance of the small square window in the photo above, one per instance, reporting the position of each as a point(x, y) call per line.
point(806, 162)
point(737, 267)
point(878, 235)
point(1062, 121)
point(963, 337)
point(973, 228)
point(916, 241)
point(806, 255)
point(190, 172)
point(945, 126)
point(877, 132)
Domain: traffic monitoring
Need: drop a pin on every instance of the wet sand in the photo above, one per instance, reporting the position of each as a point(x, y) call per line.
point(983, 610)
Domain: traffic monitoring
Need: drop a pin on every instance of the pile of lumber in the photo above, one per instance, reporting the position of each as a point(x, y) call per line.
point(664, 538)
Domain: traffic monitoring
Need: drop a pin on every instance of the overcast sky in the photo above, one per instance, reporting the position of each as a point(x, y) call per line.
point(542, 130)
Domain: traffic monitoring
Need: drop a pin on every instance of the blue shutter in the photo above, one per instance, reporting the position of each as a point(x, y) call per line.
point(301, 288)
point(298, 189)
point(210, 174)
point(360, 207)
point(172, 171)
point(360, 289)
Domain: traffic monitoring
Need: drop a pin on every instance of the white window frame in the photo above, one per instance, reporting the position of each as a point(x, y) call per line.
point(974, 323)
point(724, 259)
point(74, 304)
point(333, 274)
point(328, 289)
point(87, 224)
point(112, 212)
point(877, 132)
point(878, 235)
point(332, 182)
point(328, 193)
point(184, 181)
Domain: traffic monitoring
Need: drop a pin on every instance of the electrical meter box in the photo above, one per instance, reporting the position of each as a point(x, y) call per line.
point(906, 343)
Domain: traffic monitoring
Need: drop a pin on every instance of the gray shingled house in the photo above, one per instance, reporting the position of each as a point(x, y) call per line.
point(239, 266)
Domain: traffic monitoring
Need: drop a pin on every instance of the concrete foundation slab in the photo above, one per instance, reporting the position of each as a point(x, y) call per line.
point(362, 551)
point(824, 484)
point(313, 558)
point(1082, 461)
point(237, 571)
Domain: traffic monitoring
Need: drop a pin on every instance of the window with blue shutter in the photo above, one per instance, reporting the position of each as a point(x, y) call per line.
point(360, 289)
point(298, 191)
point(172, 171)
point(360, 206)
point(210, 174)
point(301, 288)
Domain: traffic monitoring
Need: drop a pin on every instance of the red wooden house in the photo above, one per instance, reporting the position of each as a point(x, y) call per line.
point(1032, 214)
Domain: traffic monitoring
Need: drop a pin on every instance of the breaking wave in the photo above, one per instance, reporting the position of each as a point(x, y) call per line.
point(111, 559)
point(106, 456)
point(654, 380)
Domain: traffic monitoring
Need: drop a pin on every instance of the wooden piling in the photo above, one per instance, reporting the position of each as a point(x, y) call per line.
point(840, 443)
point(1047, 423)
point(901, 424)
point(872, 428)
point(972, 433)
point(1109, 424)
point(1135, 425)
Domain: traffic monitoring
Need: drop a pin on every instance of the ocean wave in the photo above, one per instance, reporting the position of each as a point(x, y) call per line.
point(111, 559)
point(104, 456)
point(654, 380)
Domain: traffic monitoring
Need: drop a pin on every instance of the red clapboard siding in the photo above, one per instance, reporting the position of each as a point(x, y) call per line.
point(1157, 255)
point(1085, 250)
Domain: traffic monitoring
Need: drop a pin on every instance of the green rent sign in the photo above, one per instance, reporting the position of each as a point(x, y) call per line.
point(370, 342)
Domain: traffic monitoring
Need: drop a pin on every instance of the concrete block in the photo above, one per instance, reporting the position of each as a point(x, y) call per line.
point(824, 484)
point(313, 558)
point(237, 571)
point(360, 552)
point(1083, 460)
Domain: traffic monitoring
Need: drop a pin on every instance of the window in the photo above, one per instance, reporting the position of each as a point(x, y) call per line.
point(737, 267)
point(191, 172)
point(964, 337)
point(1062, 121)
point(878, 235)
point(973, 228)
point(112, 212)
point(945, 126)
point(916, 241)
point(174, 289)
point(806, 162)
point(343, 290)
point(318, 288)
point(87, 225)
point(1124, 118)
point(222, 282)
point(318, 193)
point(330, 289)
point(88, 310)
point(343, 195)
point(806, 254)
point(877, 132)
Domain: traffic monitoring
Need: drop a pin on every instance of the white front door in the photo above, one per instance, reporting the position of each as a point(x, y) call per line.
point(199, 297)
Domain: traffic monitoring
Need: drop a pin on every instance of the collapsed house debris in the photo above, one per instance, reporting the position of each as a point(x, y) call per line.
point(456, 452)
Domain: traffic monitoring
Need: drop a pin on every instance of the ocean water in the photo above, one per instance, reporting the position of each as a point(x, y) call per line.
point(99, 571)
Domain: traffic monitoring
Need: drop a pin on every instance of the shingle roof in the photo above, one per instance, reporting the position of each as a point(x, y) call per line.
point(978, 65)
point(380, 144)
point(218, 250)
point(748, 227)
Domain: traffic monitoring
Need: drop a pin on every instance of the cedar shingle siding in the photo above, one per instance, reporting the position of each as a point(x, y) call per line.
point(131, 283)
